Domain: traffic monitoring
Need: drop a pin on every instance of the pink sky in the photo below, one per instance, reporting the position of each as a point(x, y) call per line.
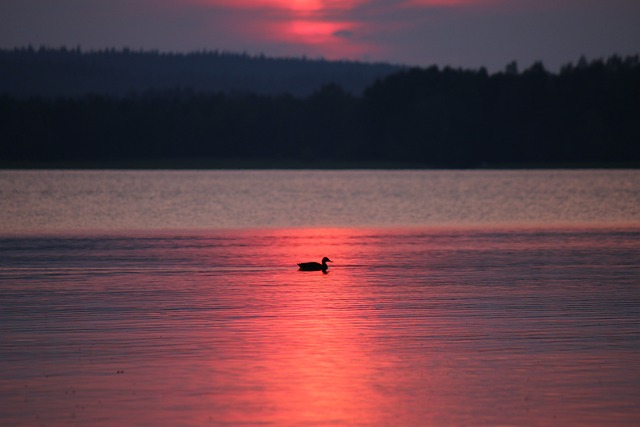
point(467, 33)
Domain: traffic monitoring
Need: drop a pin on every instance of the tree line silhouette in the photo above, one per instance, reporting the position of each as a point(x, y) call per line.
point(440, 117)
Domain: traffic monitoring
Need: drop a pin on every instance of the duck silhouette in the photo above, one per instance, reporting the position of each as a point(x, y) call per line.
point(315, 266)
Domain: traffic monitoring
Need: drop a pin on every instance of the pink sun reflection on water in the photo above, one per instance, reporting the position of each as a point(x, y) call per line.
point(409, 327)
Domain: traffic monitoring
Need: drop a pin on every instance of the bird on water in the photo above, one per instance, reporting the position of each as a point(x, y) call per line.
point(315, 266)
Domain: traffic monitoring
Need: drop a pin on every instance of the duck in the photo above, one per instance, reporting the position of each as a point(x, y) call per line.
point(315, 266)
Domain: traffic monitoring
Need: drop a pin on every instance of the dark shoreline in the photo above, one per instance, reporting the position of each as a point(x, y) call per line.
point(265, 164)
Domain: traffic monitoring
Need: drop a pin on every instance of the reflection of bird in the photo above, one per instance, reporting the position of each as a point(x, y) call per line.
point(315, 266)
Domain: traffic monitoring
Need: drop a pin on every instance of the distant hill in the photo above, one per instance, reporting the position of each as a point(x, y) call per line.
point(72, 72)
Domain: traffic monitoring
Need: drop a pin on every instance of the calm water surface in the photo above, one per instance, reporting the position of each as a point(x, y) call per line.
point(514, 301)
point(146, 200)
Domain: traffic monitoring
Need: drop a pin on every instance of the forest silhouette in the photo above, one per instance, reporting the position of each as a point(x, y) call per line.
point(431, 117)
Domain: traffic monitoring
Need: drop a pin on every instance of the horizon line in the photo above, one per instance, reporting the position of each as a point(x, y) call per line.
point(245, 54)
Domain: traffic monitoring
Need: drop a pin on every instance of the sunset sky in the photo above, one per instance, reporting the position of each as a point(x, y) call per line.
point(467, 33)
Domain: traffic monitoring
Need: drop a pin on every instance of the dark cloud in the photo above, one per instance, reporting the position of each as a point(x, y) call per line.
point(344, 34)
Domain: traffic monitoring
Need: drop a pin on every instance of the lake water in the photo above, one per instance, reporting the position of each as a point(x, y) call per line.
point(455, 298)
point(177, 200)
